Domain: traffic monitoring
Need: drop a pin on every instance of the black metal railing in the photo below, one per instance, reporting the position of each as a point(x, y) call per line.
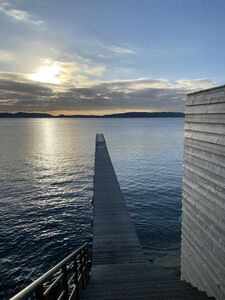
point(64, 281)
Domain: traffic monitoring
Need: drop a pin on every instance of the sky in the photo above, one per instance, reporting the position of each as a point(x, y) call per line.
point(102, 56)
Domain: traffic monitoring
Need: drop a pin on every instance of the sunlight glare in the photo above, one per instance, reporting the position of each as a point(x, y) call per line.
point(47, 74)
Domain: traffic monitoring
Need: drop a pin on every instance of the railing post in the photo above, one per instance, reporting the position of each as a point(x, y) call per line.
point(89, 261)
point(82, 268)
point(76, 278)
point(39, 293)
point(65, 282)
point(86, 265)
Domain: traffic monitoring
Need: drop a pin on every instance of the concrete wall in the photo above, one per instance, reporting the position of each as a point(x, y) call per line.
point(203, 203)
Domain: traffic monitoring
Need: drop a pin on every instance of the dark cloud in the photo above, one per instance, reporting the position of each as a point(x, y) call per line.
point(19, 94)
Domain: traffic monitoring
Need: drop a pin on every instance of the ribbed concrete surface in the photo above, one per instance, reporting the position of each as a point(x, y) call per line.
point(120, 270)
point(203, 204)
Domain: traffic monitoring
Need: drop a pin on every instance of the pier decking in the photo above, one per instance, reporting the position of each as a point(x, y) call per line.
point(119, 268)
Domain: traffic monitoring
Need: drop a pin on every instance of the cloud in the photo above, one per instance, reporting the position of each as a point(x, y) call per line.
point(17, 93)
point(121, 50)
point(194, 85)
point(96, 71)
point(6, 56)
point(18, 15)
point(115, 49)
point(106, 50)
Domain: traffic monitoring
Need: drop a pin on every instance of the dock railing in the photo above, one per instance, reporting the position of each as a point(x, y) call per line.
point(65, 281)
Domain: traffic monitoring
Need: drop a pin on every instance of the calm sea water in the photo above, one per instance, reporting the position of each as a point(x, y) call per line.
point(46, 188)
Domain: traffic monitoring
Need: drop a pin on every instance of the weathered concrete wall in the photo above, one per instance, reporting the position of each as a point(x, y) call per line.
point(203, 207)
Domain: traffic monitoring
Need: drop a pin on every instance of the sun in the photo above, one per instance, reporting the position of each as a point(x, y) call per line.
point(47, 74)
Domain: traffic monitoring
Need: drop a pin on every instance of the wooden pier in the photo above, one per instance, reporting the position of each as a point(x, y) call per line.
point(119, 268)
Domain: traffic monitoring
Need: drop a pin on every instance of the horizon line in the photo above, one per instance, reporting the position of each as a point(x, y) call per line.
point(122, 114)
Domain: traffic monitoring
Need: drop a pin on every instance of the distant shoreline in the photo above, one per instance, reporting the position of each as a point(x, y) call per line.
point(119, 115)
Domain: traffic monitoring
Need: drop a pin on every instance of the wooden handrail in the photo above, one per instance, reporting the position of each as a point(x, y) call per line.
point(71, 276)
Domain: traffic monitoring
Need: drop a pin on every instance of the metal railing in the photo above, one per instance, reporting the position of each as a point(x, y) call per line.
point(64, 281)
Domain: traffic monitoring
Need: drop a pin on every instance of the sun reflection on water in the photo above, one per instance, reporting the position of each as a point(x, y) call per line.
point(48, 135)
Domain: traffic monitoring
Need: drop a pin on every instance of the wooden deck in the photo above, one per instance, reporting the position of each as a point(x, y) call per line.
point(120, 270)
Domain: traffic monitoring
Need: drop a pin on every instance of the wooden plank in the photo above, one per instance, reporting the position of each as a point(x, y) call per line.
point(206, 155)
point(201, 232)
point(203, 163)
point(215, 182)
point(204, 145)
point(205, 118)
point(205, 197)
point(207, 97)
point(207, 128)
point(209, 264)
point(217, 108)
point(202, 228)
point(199, 210)
point(202, 183)
point(205, 137)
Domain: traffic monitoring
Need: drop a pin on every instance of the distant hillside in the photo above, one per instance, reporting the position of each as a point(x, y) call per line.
point(25, 115)
point(120, 115)
point(146, 115)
